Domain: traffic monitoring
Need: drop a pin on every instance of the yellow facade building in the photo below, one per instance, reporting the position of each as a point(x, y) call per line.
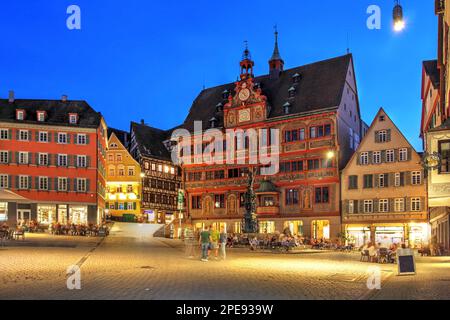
point(384, 189)
point(123, 186)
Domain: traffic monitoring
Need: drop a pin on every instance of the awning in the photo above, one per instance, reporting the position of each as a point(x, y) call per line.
point(9, 196)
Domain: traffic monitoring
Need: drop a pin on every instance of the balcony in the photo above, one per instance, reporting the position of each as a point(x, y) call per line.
point(439, 6)
point(268, 210)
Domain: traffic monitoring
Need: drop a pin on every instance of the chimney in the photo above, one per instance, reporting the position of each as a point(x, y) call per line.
point(142, 121)
point(64, 98)
point(11, 96)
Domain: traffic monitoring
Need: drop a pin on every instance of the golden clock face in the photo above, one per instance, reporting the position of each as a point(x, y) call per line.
point(244, 94)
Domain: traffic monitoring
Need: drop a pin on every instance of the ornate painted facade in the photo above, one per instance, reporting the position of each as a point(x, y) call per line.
point(314, 109)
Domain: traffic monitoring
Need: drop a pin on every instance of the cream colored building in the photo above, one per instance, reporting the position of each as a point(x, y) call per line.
point(436, 130)
point(123, 186)
point(383, 189)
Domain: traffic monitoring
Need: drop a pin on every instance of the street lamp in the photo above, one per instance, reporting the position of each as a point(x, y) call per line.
point(399, 22)
point(330, 154)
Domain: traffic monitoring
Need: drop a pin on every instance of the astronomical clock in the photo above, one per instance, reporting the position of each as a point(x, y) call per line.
point(247, 105)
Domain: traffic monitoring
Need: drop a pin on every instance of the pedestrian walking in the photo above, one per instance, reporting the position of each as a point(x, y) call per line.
point(189, 242)
point(215, 236)
point(204, 241)
point(223, 243)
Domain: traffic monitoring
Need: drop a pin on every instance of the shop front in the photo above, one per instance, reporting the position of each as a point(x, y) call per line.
point(78, 214)
point(320, 229)
point(266, 227)
point(387, 235)
point(3, 212)
point(295, 227)
point(46, 214)
point(415, 235)
point(358, 236)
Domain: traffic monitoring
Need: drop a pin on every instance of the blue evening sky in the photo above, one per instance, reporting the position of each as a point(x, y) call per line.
point(142, 59)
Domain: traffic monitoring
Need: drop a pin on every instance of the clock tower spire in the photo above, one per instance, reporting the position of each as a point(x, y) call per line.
point(276, 63)
point(246, 64)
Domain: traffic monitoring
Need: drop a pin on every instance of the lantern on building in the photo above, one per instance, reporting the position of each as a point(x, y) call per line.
point(399, 22)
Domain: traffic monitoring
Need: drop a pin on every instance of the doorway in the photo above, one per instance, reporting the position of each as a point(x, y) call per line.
point(23, 216)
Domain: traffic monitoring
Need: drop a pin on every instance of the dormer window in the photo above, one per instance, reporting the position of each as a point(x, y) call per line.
point(381, 118)
point(291, 92)
point(296, 78)
point(213, 122)
point(225, 94)
point(287, 108)
point(73, 118)
point(41, 116)
point(20, 115)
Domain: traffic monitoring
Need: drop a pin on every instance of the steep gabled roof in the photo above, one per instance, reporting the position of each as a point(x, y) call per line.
point(321, 86)
point(57, 111)
point(121, 135)
point(370, 136)
point(431, 69)
point(150, 140)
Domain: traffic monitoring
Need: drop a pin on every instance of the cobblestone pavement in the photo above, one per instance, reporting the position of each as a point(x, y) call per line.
point(130, 264)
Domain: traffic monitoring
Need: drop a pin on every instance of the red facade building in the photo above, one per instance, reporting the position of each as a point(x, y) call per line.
point(52, 154)
point(316, 111)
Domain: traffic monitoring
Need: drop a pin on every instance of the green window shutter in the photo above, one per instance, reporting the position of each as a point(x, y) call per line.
point(355, 206)
point(409, 154)
point(68, 138)
point(377, 140)
point(407, 178)
point(56, 184)
point(358, 158)
point(49, 137)
point(56, 137)
point(370, 157)
point(116, 205)
point(402, 179)
point(36, 135)
point(395, 155)
point(391, 179)
point(30, 158)
point(68, 184)
point(88, 185)
point(75, 185)
point(10, 134)
point(422, 203)
point(36, 159)
point(50, 185)
point(391, 205)
point(36, 183)
point(125, 205)
point(17, 134)
point(375, 181)
point(17, 182)
point(17, 157)
point(87, 139)
point(29, 182)
point(10, 178)
point(383, 156)
point(375, 205)
point(388, 135)
point(407, 204)
point(75, 139)
point(10, 156)
point(386, 180)
point(88, 161)
point(134, 205)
